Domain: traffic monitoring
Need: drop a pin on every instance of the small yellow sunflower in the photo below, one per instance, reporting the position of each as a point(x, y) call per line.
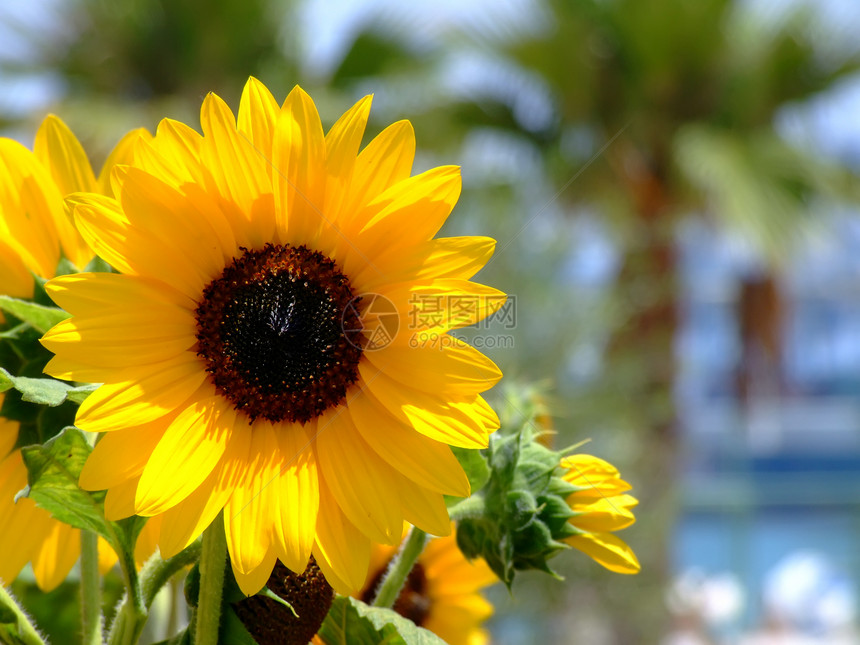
point(601, 507)
point(442, 592)
point(35, 232)
point(276, 343)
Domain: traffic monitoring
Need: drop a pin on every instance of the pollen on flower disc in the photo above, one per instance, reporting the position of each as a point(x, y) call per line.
point(271, 330)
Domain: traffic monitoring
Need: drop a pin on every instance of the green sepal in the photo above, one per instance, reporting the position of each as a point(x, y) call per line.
point(53, 469)
point(192, 586)
point(524, 515)
point(44, 391)
point(477, 470)
point(232, 630)
point(40, 317)
point(352, 622)
point(182, 638)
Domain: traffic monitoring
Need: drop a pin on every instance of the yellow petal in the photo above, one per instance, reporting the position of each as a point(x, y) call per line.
point(298, 495)
point(56, 555)
point(185, 521)
point(342, 551)
point(139, 337)
point(15, 277)
point(8, 433)
point(147, 540)
point(123, 153)
point(423, 508)
point(237, 169)
point(107, 556)
point(80, 293)
point(427, 462)
point(447, 257)
point(60, 151)
point(451, 367)
point(133, 249)
point(174, 221)
point(32, 209)
point(341, 144)
point(411, 211)
point(455, 423)
point(119, 501)
point(605, 514)
point(189, 450)
point(258, 112)
point(119, 456)
point(364, 485)
point(385, 161)
point(21, 521)
point(608, 550)
point(254, 580)
point(119, 405)
point(249, 515)
point(299, 178)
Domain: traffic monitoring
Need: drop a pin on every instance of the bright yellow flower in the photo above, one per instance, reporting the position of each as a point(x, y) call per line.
point(601, 507)
point(248, 347)
point(34, 231)
point(442, 593)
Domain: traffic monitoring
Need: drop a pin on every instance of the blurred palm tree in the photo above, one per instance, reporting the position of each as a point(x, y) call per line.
point(127, 64)
point(685, 98)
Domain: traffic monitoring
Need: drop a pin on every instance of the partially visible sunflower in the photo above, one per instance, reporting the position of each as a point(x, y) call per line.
point(35, 232)
point(442, 592)
point(601, 506)
point(240, 347)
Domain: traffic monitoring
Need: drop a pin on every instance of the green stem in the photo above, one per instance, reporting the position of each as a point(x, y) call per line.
point(91, 592)
point(157, 572)
point(22, 630)
point(132, 613)
point(399, 568)
point(213, 560)
point(471, 507)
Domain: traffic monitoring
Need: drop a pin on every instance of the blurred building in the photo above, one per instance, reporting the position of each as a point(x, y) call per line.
point(770, 406)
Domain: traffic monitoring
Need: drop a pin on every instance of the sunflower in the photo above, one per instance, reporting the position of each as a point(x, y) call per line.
point(35, 232)
point(601, 506)
point(276, 343)
point(442, 591)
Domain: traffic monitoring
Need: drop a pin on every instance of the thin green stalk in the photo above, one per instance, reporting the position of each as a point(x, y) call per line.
point(157, 572)
point(22, 630)
point(399, 568)
point(213, 560)
point(132, 613)
point(91, 592)
point(471, 507)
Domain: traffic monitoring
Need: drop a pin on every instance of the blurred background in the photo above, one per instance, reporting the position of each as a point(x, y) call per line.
point(673, 188)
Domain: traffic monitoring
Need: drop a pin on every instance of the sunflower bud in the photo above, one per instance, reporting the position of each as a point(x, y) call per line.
point(518, 520)
point(537, 502)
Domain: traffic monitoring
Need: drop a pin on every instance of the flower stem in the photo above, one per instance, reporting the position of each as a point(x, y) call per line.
point(91, 596)
point(132, 613)
point(400, 567)
point(213, 559)
point(22, 630)
point(471, 507)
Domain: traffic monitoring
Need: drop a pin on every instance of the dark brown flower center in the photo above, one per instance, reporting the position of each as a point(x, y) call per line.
point(271, 330)
point(413, 601)
point(270, 622)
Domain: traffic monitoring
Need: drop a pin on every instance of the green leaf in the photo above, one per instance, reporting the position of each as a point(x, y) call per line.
point(232, 630)
point(38, 316)
point(53, 471)
point(351, 622)
point(475, 465)
point(44, 391)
